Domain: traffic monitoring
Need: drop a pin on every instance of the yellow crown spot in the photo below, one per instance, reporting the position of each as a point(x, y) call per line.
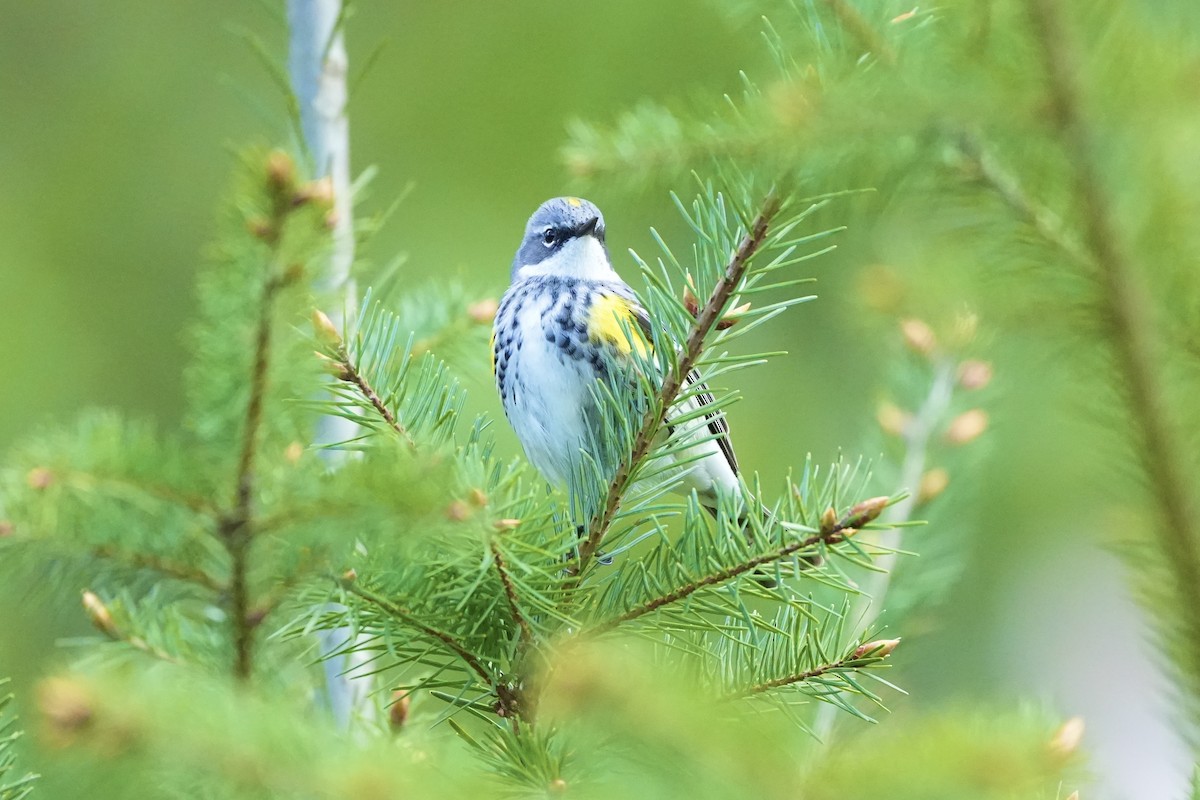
point(609, 317)
point(574, 201)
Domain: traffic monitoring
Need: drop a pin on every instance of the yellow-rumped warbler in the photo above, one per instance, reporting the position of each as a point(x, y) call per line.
point(562, 326)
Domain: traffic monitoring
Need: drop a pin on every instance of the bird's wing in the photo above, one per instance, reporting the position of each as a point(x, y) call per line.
point(715, 420)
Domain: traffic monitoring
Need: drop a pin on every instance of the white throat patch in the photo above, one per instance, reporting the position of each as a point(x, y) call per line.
point(583, 257)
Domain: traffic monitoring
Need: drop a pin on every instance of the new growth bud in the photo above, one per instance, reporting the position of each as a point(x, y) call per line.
point(334, 367)
point(293, 452)
point(892, 419)
point(398, 710)
point(933, 483)
point(506, 524)
point(458, 511)
point(974, 374)
point(99, 615)
point(732, 317)
point(281, 171)
point(39, 478)
point(829, 521)
point(1067, 738)
point(327, 333)
point(880, 648)
point(967, 426)
point(66, 706)
point(864, 512)
point(319, 191)
point(260, 228)
point(918, 336)
point(690, 301)
point(483, 311)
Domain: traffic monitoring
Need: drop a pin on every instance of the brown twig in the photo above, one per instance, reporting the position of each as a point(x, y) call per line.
point(510, 592)
point(869, 38)
point(351, 375)
point(235, 526)
point(653, 420)
point(509, 701)
point(1130, 322)
point(799, 677)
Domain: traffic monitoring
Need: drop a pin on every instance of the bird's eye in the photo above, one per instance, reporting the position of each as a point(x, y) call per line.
point(548, 237)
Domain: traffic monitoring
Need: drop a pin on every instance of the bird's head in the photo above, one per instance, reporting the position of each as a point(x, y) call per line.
point(564, 238)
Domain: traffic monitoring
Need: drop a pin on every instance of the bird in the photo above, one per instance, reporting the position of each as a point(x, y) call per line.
point(567, 322)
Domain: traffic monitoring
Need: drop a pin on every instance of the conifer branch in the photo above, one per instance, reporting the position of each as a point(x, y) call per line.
point(827, 535)
point(510, 592)
point(351, 375)
point(103, 621)
point(653, 420)
point(163, 566)
point(869, 38)
point(11, 787)
point(988, 169)
point(406, 617)
point(235, 528)
point(800, 677)
point(89, 480)
point(1130, 326)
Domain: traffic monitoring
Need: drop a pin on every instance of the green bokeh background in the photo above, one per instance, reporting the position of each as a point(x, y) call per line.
point(118, 125)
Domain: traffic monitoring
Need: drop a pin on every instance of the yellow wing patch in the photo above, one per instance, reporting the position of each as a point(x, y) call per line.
point(574, 202)
point(608, 315)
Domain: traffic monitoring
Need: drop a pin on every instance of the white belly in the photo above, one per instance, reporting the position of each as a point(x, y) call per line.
point(551, 393)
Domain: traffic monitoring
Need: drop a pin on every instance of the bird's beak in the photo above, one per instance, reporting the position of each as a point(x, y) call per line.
point(589, 228)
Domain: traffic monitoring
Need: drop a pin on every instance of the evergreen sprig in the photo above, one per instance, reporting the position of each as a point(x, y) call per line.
point(12, 786)
point(476, 617)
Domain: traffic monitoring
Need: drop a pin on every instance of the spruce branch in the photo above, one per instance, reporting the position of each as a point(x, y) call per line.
point(652, 422)
point(1130, 324)
point(19, 787)
point(102, 619)
point(165, 567)
point(870, 39)
point(85, 480)
point(409, 619)
point(235, 527)
point(510, 593)
point(865, 655)
point(345, 371)
point(830, 533)
point(511, 701)
point(987, 168)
